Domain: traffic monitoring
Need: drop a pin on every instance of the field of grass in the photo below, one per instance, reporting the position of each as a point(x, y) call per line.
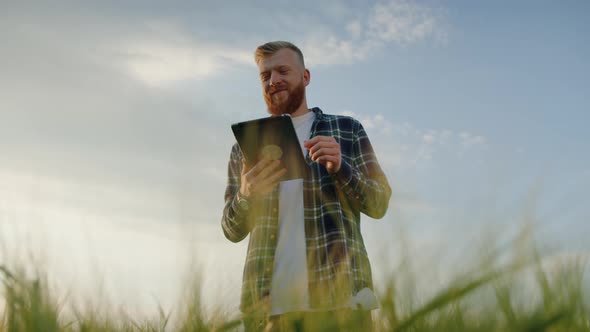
point(512, 289)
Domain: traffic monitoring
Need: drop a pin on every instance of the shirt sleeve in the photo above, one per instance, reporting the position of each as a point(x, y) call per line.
point(235, 221)
point(363, 180)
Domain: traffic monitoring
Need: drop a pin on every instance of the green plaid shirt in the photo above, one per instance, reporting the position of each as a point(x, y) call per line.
point(337, 262)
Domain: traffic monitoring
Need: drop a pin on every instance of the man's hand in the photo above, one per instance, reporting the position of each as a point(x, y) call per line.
point(326, 151)
point(260, 179)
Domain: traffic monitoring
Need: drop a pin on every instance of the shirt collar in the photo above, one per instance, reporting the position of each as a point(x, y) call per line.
point(318, 113)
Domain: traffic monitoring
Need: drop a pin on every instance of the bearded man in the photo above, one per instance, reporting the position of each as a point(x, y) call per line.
point(306, 266)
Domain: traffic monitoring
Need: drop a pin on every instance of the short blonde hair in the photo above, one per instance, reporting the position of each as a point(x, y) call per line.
point(272, 47)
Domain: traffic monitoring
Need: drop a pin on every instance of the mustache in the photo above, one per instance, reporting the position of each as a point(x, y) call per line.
point(276, 88)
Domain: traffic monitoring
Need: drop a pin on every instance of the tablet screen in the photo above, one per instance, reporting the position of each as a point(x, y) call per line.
point(274, 138)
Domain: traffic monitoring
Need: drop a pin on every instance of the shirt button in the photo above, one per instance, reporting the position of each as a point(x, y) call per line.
point(274, 210)
point(272, 236)
point(268, 269)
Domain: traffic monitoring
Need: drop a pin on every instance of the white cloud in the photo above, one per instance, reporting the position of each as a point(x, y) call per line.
point(428, 138)
point(402, 22)
point(469, 140)
point(355, 29)
point(330, 50)
point(393, 21)
point(172, 55)
point(403, 145)
point(157, 64)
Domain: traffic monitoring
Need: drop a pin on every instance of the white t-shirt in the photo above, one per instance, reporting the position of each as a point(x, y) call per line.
point(289, 290)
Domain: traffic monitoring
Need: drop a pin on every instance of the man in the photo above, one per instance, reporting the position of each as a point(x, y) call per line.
point(306, 263)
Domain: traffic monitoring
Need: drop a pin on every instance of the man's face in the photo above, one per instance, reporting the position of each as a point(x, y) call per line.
point(283, 80)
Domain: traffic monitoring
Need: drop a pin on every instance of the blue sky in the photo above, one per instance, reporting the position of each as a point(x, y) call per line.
point(115, 126)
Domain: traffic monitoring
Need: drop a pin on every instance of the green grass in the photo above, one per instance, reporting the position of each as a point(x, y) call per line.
point(512, 289)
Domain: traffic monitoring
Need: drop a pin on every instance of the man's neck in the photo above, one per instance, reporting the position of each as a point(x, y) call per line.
point(302, 110)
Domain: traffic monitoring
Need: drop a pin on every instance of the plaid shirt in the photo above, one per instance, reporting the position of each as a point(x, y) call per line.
point(337, 262)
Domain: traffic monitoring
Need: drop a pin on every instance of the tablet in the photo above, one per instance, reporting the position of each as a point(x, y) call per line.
point(272, 137)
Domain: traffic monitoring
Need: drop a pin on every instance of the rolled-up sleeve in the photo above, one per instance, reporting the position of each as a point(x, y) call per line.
point(234, 222)
point(363, 180)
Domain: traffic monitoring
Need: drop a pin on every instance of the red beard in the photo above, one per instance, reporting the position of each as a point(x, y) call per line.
point(286, 106)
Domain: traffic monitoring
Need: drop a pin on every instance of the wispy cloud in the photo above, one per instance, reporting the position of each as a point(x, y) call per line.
point(171, 54)
point(387, 22)
point(403, 22)
point(403, 145)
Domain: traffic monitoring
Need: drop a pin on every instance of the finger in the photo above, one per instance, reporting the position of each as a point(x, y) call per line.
point(264, 173)
point(269, 188)
point(324, 152)
point(271, 179)
point(245, 167)
point(324, 160)
point(330, 166)
point(260, 165)
point(311, 142)
point(323, 145)
point(327, 142)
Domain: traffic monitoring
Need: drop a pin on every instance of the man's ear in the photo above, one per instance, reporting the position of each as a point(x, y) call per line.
point(306, 77)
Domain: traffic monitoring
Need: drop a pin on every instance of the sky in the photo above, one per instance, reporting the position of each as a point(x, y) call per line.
point(115, 129)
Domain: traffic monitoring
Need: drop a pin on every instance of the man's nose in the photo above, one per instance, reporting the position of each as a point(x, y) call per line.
point(273, 79)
